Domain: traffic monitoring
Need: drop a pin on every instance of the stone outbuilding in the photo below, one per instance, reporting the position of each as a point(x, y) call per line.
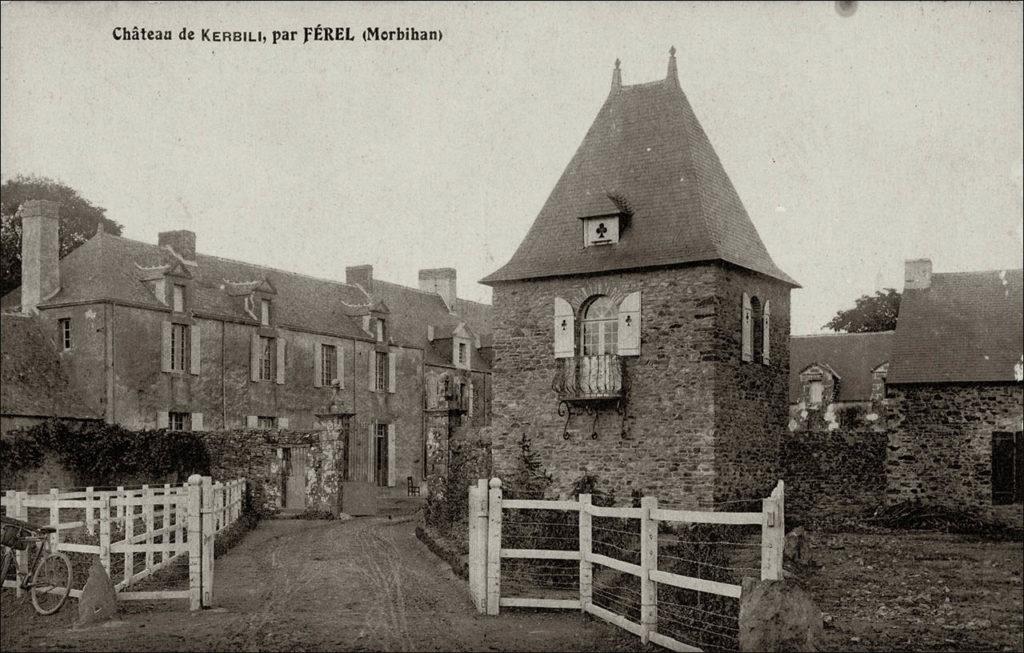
point(641, 327)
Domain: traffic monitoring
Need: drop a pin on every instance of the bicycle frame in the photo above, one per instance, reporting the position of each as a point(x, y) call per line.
point(41, 549)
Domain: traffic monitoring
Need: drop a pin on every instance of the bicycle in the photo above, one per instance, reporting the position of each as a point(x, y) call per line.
point(48, 581)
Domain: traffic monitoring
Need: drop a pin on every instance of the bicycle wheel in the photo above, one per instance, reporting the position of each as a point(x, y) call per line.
point(51, 583)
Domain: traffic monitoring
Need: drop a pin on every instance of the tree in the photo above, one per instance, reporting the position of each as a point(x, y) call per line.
point(871, 313)
point(79, 220)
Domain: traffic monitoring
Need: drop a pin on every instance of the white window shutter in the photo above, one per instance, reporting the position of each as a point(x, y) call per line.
point(254, 356)
point(280, 360)
point(195, 349)
point(748, 345)
point(766, 321)
point(370, 455)
point(392, 357)
point(163, 418)
point(318, 365)
point(197, 422)
point(565, 329)
point(340, 353)
point(282, 422)
point(165, 351)
point(252, 421)
point(392, 481)
point(629, 325)
point(372, 356)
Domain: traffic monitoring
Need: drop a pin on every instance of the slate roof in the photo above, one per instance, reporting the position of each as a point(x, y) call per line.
point(853, 356)
point(109, 267)
point(32, 382)
point(966, 327)
point(411, 310)
point(645, 150)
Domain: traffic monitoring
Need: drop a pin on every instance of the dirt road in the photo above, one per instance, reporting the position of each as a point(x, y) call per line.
point(364, 584)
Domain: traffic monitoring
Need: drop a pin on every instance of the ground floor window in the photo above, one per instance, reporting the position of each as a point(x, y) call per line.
point(1007, 467)
point(380, 455)
point(266, 422)
point(179, 421)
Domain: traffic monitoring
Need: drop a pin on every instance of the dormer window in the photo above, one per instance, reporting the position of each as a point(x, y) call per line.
point(815, 393)
point(265, 312)
point(178, 300)
point(462, 353)
point(381, 330)
point(602, 230)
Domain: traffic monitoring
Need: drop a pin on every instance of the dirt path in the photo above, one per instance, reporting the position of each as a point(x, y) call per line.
point(364, 584)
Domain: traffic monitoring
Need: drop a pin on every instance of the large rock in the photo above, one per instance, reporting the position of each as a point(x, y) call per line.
point(776, 615)
point(98, 602)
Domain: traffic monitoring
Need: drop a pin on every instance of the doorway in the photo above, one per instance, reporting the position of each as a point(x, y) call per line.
point(293, 481)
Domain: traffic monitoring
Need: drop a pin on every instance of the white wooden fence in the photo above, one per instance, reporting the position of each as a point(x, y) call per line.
point(135, 532)
point(486, 554)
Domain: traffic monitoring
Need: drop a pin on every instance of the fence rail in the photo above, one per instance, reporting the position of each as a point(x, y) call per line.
point(142, 529)
point(637, 610)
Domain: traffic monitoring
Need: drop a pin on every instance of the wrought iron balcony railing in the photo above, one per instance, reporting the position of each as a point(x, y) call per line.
point(589, 377)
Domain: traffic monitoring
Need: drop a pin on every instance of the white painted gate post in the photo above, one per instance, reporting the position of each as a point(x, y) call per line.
point(209, 534)
point(773, 534)
point(648, 563)
point(195, 541)
point(478, 544)
point(494, 546)
point(586, 567)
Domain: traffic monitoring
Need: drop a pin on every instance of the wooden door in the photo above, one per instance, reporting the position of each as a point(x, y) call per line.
point(295, 478)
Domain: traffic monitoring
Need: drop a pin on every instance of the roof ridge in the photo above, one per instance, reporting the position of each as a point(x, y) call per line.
point(257, 265)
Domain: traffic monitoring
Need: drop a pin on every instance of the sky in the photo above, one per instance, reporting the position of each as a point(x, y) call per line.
point(855, 142)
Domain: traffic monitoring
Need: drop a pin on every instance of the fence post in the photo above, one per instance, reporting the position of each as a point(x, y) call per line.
point(586, 567)
point(648, 563)
point(90, 525)
point(195, 543)
point(478, 544)
point(494, 546)
point(218, 502)
point(21, 512)
point(181, 508)
point(128, 515)
point(105, 531)
point(148, 506)
point(773, 534)
point(165, 523)
point(121, 506)
point(209, 534)
point(54, 518)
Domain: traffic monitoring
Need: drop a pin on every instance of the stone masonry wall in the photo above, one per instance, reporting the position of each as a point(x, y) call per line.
point(940, 449)
point(668, 448)
point(751, 398)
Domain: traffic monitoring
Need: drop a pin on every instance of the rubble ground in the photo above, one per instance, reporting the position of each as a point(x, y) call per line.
point(917, 591)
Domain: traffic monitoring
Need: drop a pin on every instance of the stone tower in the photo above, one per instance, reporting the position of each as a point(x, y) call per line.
point(641, 327)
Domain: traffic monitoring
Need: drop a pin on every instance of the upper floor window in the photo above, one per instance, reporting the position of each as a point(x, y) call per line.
point(600, 334)
point(65, 332)
point(265, 312)
point(815, 393)
point(266, 362)
point(381, 370)
point(328, 364)
point(178, 301)
point(179, 347)
point(756, 330)
point(462, 352)
point(266, 422)
point(381, 326)
point(600, 231)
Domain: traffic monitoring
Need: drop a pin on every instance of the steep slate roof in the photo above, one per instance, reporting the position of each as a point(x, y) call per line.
point(853, 356)
point(113, 268)
point(645, 150)
point(411, 310)
point(32, 382)
point(966, 327)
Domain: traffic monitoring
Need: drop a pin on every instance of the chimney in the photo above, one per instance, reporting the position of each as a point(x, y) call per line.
point(182, 242)
point(442, 282)
point(40, 252)
point(617, 77)
point(918, 275)
point(360, 275)
point(673, 72)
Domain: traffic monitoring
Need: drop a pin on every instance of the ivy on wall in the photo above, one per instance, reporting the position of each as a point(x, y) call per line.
point(105, 454)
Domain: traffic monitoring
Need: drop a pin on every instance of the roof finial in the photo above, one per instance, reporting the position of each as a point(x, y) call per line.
point(617, 76)
point(100, 228)
point(673, 74)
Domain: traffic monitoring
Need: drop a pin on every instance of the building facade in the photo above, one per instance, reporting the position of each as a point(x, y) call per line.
point(641, 328)
point(160, 336)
